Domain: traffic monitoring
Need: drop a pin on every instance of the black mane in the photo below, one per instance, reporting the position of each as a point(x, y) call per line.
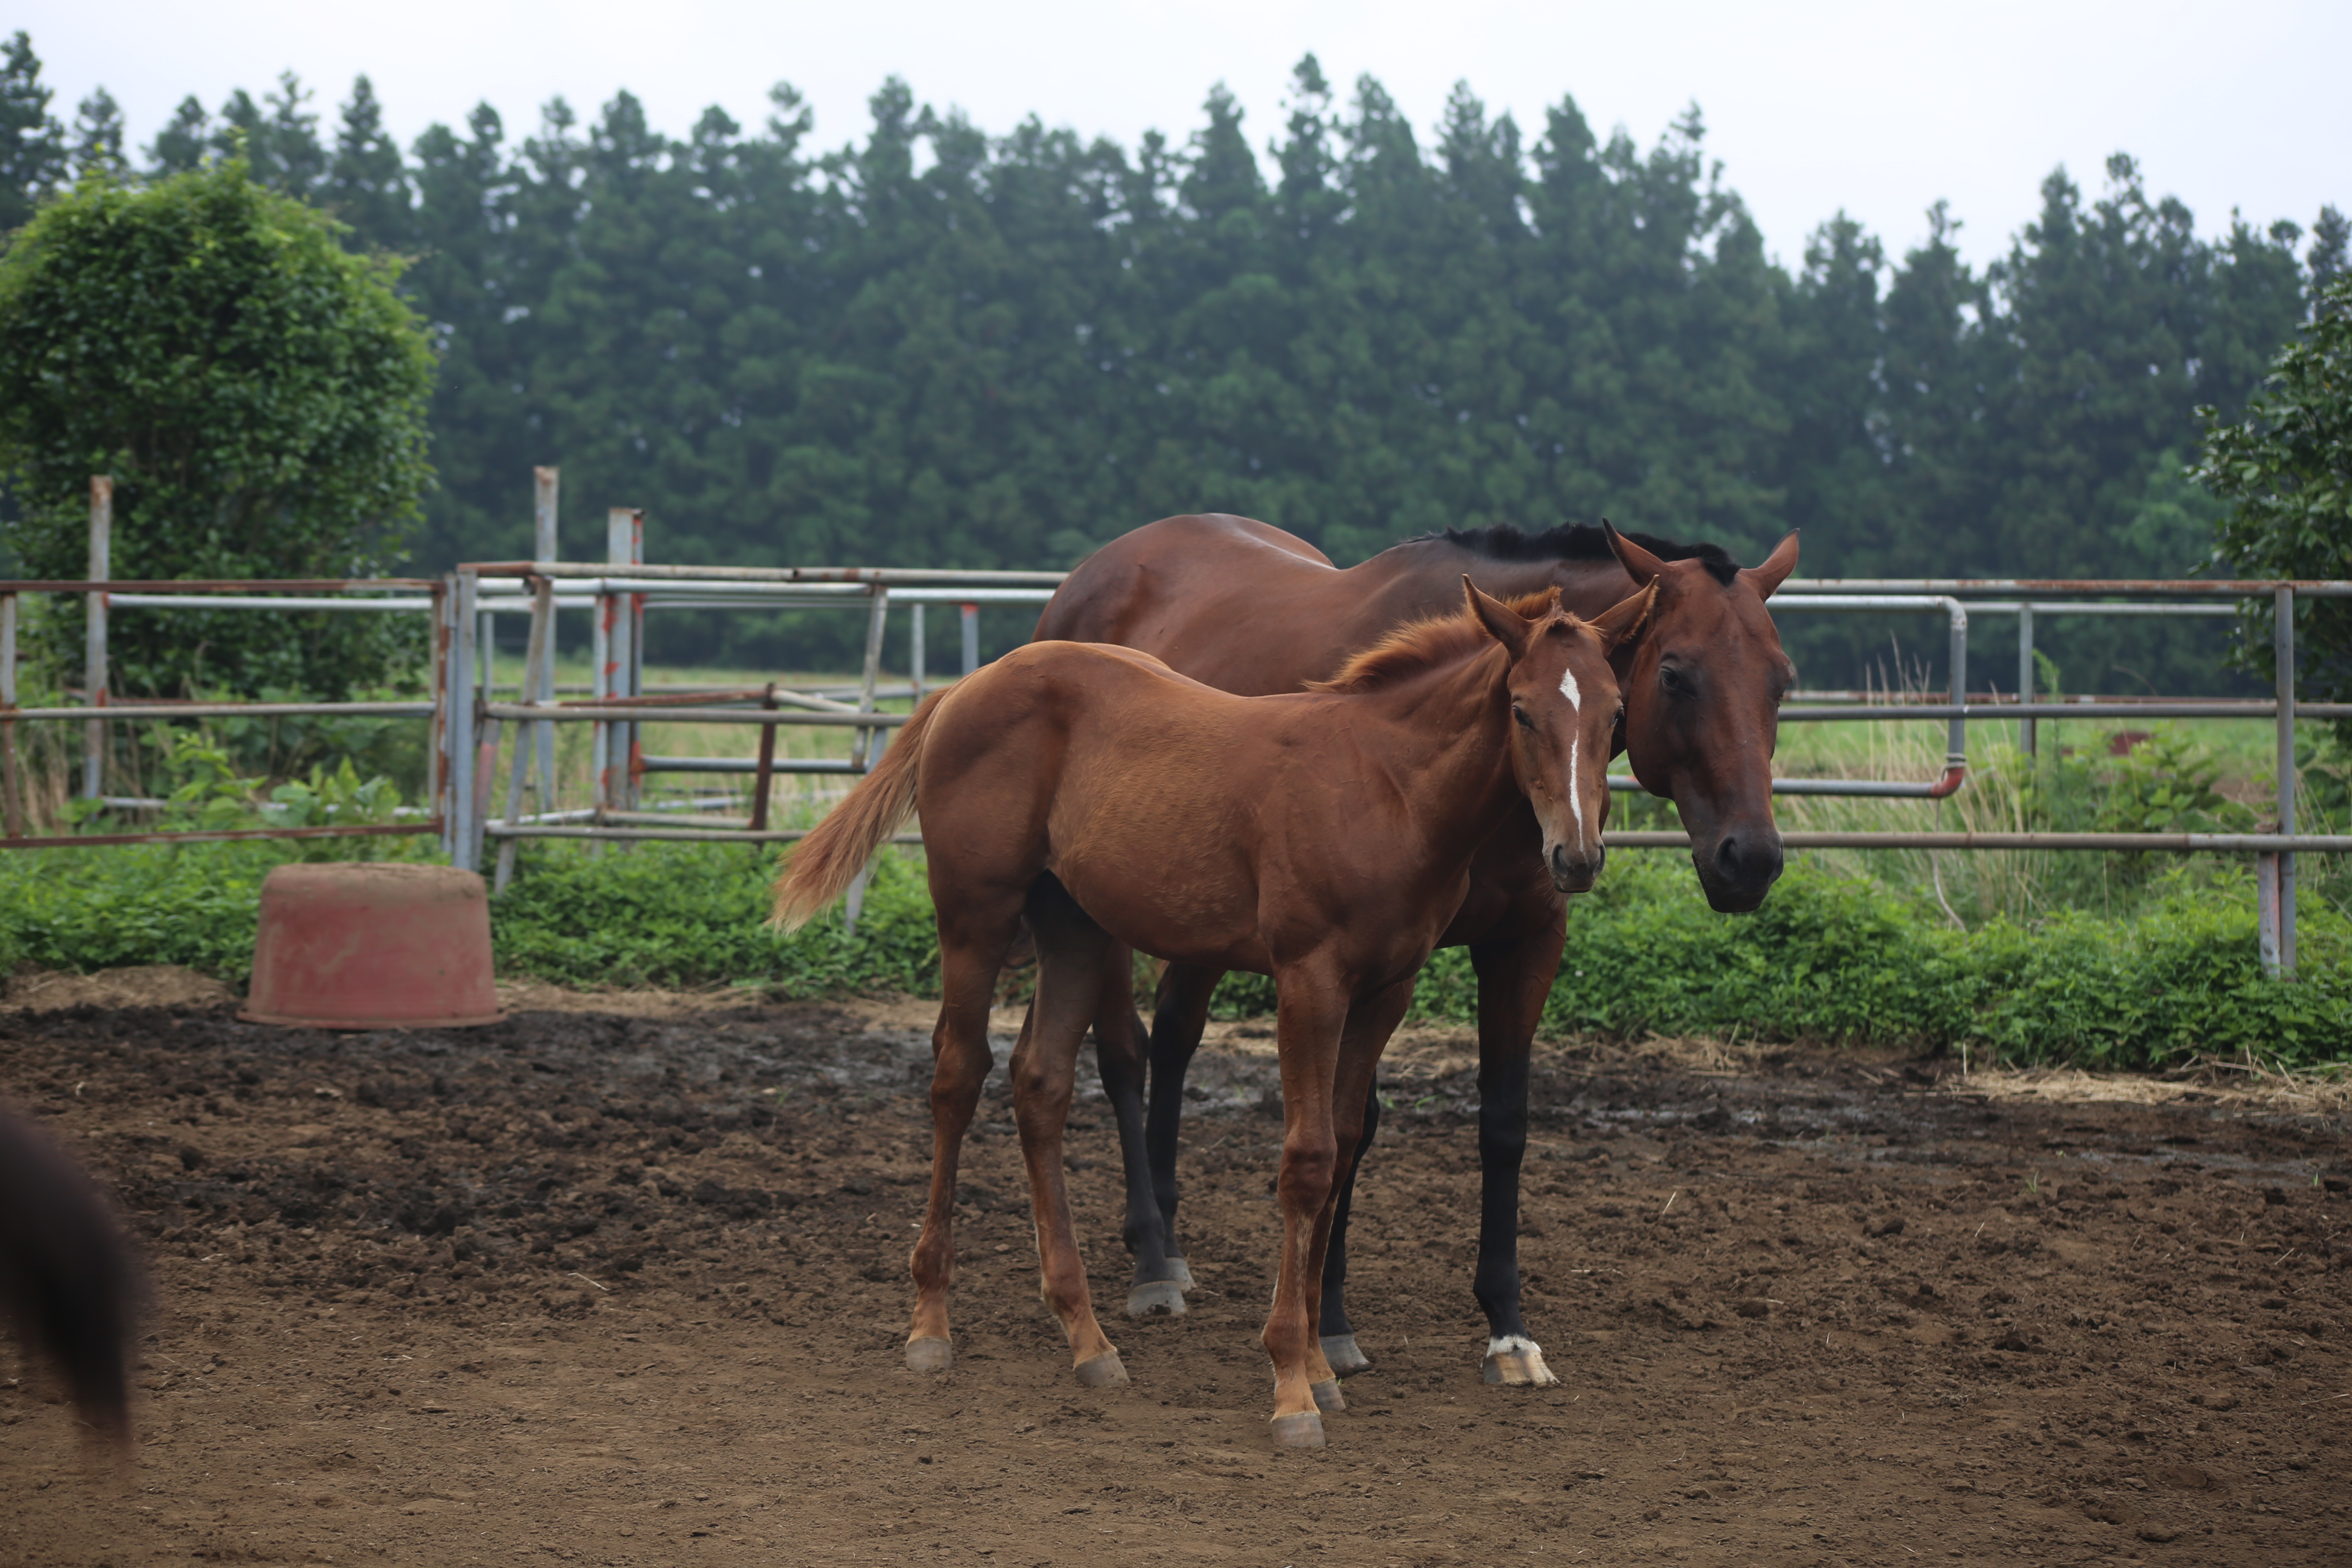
point(1577, 542)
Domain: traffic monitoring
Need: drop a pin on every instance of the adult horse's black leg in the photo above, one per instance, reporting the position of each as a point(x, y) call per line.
point(1121, 1045)
point(1340, 1347)
point(1181, 1013)
point(1514, 978)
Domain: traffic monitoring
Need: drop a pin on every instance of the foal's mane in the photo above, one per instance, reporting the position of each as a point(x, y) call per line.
point(1577, 542)
point(1417, 645)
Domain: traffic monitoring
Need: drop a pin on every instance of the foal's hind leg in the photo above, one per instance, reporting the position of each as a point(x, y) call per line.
point(1370, 1023)
point(1070, 949)
point(961, 1060)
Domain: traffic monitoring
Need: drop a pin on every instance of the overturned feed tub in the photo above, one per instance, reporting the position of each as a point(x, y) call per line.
point(372, 946)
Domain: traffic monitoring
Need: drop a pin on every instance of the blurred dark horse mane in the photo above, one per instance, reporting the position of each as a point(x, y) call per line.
point(1577, 542)
point(69, 1285)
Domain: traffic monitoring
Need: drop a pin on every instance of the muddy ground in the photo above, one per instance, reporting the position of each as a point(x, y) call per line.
point(623, 1280)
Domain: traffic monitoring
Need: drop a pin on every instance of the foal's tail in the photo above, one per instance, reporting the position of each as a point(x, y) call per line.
point(833, 854)
point(67, 1276)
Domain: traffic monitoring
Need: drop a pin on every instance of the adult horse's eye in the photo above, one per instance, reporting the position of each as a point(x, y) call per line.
point(1674, 681)
point(1520, 714)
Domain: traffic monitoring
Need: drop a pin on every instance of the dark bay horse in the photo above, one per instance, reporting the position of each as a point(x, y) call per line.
point(68, 1282)
point(1324, 838)
point(1247, 608)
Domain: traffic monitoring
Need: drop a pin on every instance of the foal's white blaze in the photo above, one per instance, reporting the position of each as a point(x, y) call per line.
point(1568, 689)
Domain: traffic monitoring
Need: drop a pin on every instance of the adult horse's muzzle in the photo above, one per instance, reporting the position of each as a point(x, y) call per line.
point(1575, 871)
point(1737, 869)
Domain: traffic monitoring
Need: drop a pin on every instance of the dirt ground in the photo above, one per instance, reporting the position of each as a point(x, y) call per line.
point(623, 1280)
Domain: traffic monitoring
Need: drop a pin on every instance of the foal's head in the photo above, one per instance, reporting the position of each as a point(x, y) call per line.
point(1564, 710)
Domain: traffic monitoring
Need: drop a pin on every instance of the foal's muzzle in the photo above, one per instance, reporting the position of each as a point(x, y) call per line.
point(1573, 871)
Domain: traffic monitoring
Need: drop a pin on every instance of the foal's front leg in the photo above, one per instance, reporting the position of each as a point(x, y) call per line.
point(1311, 1009)
point(1354, 1111)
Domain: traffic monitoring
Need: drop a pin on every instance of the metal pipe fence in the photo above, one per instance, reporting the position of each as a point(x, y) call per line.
point(467, 717)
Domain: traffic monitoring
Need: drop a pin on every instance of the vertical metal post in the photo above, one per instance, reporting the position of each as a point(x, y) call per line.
point(436, 785)
point(1956, 740)
point(970, 639)
point(463, 834)
point(2025, 676)
point(11, 813)
point(877, 621)
point(633, 778)
point(618, 616)
point(600, 734)
point(542, 623)
point(2282, 651)
point(546, 545)
point(915, 650)
point(93, 668)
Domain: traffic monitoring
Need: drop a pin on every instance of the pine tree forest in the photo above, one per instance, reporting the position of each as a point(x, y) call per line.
point(936, 345)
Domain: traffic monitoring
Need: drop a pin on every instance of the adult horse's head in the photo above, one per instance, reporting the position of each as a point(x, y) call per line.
point(1565, 710)
point(1702, 687)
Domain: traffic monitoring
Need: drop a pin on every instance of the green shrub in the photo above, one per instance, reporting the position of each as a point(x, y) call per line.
point(1828, 958)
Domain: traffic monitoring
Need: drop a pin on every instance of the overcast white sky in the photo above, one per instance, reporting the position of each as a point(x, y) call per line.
point(1877, 109)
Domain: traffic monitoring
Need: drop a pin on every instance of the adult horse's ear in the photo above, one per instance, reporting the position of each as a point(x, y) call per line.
point(1775, 570)
point(1624, 619)
point(1639, 563)
point(1511, 628)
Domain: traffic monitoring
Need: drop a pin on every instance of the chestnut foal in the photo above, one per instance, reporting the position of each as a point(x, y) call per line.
point(1324, 838)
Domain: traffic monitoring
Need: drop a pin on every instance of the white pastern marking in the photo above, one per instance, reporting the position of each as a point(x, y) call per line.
point(1511, 1344)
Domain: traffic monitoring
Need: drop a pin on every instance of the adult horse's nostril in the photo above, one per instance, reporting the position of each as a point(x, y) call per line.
point(1726, 858)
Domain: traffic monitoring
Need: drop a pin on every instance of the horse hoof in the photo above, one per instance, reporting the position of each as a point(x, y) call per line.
point(1327, 1397)
point(1104, 1371)
point(1517, 1363)
point(1346, 1357)
point(1179, 1274)
point(1156, 1298)
point(1303, 1430)
point(929, 1355)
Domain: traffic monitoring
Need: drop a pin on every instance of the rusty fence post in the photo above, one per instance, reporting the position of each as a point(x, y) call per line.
point(14, 813)
point(763, 775)
point(93, 677)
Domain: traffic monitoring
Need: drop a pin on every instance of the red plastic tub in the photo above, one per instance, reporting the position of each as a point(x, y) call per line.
point(359, 946)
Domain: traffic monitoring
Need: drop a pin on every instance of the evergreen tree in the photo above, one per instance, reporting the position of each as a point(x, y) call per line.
point(182, 143)
point(367, 184)
point(32, 147)
point(98, 136)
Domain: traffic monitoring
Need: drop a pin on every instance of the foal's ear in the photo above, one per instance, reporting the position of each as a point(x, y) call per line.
point(1622, 621)
point(1509, 628)
point(1775, 571)
point(1639, 563)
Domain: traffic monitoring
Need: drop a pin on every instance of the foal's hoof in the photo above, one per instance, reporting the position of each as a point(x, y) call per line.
point(1327, 1397)
point(1104, 1371)
point(1156, 1298)
point(1346, 1357)
point(929, 1355)
point(1517, 1362)
point(1303, 1430)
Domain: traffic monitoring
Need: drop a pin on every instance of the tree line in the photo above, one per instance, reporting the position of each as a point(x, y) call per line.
point(933, 345)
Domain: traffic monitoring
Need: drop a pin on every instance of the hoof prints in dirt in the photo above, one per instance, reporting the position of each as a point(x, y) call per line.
point(543, 1282)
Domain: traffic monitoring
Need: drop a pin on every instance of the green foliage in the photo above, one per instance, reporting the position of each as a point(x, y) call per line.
point(257, 393)
point(31, 149)
point(1827, 958)
point(696, 914)
point(2286, 470)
